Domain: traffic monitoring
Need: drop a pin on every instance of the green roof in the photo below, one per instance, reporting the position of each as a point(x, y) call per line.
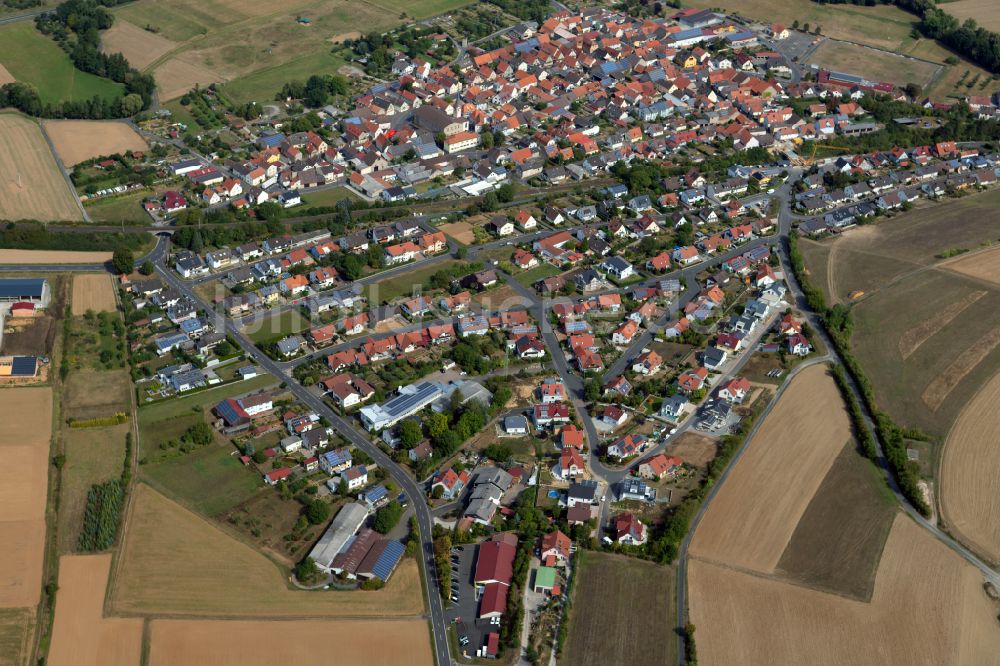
point(545, 577)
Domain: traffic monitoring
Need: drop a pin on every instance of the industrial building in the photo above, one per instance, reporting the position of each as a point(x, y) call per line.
point(32, 290)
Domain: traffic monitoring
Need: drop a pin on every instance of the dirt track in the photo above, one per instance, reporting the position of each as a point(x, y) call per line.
point(753, 516)
point(266, 642)
point(80, 634)
point(24, 443)
point(928, 608)
point(970, 467)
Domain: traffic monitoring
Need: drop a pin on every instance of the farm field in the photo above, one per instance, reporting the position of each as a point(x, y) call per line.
point(139, 46)
point(754, 515)
point(33, 58)
point(884, 26)
point(81, 635)
point(80, 140)
point(23, 497)
point(983, 265)
point(613, 628)
point(32, 187)
point(93, 292)
point(93, 455)
point(753, 619)
point(275, 327)
point(52, 256)
point(177, 76)
point(5, 76)
point(873, 64)
point(838, 541)
point(212, 573)
point(983, 12)
point(252, 642)
point(970, 465)
point(15, 635)
point(91, 393)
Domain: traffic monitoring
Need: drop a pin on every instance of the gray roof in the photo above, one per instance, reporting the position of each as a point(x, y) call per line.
point(343, 527)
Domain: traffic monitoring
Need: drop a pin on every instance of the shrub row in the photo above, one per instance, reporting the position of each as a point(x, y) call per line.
point(117, 419)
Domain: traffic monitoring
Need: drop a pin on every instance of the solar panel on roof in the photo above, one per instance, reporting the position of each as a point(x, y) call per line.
point(23, 366)
point(388, 560)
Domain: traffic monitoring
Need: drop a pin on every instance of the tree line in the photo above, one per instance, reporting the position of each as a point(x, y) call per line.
point(75, 26)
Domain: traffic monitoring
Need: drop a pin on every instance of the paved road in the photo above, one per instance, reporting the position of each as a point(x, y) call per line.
point(356, 437)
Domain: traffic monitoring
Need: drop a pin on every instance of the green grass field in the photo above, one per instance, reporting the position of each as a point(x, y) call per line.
point(530, 277)
point(210, 480)
point(263, 84)
point(421, 8)
point(164, 410)
point(392, 288)
point(33, 58)
point(276, 327)
point(127, 209)
point(329, 197)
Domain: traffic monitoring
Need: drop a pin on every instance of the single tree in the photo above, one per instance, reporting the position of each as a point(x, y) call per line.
point(123, 260)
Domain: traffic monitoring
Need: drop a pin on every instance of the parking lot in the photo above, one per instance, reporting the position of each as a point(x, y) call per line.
point(466, 608)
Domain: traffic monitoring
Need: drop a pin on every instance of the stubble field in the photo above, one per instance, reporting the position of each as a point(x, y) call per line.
point(983, 265)
point(80, 140)
point(15, 635)
point(262, 642)
point(5, 76)
point(928, 607)
point(983, 12)
point(32, 187)
point(970, 467)
point(25, 444)
point(93, 292)
point(212, 573)
point(753, 516)
point(615, 628)
point(81, 635)
point(52, 257)
point(140, 47)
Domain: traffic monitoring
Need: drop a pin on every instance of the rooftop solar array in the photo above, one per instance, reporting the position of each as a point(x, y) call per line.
point(388, 560)
point(23, 366)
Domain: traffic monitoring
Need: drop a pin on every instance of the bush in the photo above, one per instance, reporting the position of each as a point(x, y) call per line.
point(387, 517)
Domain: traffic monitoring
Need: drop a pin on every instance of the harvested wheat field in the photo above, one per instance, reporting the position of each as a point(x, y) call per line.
point(24, 440)
point(5, 76)
point(93, 292)
point(81, 635)
point(52, 257)
point(914, 617)
point(212, 573)
point(982, 266)
point(16, 633)
point(911, 340)
point(751, 519)
point(32, 188)
point(80, 140)
point(266, 642)
point(970, 467)
point(983, 12)
point(460, 231)
point(938, 390)
point(140, 47)
point(176, 77)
